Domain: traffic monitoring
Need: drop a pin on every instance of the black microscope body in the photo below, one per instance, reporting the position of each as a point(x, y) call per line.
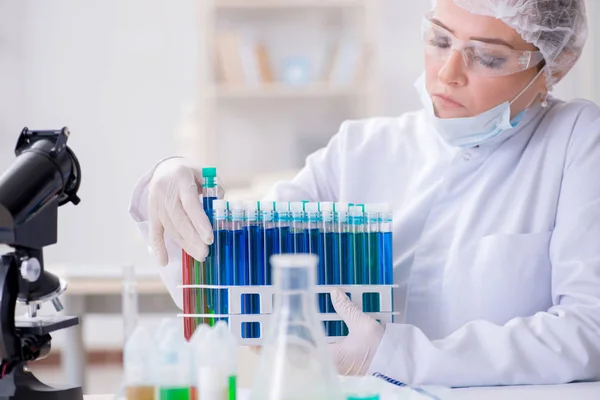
point(44, 176)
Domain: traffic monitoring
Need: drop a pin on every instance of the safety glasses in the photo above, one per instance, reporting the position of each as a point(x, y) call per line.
point(484, 59)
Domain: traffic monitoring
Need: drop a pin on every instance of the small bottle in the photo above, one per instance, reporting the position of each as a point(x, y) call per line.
point(295, 360)
point(138, 365)
point(173, 367)
point(228, 360)
point(166, 324)
point(212, 373)
point(196, 341)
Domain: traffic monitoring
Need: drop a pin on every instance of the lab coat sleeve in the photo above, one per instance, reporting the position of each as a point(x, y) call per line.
point(558, 346)
point(138, 210)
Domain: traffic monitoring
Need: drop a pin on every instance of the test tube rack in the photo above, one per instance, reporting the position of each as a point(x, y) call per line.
point(237, 320)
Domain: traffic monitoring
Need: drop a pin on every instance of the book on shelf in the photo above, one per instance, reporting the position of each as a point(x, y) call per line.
point(242, 60)
point(349, 62)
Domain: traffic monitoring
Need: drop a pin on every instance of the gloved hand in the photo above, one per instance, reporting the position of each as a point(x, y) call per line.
point(175, 209)
point(353, 354)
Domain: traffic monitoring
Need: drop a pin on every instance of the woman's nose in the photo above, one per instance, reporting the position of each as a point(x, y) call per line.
point(453, 70)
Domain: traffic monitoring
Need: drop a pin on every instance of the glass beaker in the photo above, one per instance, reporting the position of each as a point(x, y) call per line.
point(295, 360)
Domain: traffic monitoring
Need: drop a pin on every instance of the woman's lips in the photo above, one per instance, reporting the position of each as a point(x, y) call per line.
point(446, 102)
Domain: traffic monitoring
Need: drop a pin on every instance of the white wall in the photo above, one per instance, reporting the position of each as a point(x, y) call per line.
point(117, 73)
point(120, 73)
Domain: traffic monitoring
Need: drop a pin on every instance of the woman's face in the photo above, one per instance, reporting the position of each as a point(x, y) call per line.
point(458, 92)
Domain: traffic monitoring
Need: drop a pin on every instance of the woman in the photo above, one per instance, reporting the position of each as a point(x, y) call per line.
point(496, 206)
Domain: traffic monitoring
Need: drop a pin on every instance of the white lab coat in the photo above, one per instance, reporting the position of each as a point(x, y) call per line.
point(496, 248)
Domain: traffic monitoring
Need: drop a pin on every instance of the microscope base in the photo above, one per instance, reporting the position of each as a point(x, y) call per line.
point(21, 385)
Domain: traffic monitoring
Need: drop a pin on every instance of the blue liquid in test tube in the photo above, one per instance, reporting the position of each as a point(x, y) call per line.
point(241, 257)
point(331, 247)
point(299, 232)
point(256, 245)
point(271, 234)
point(373, 218)
point(317, 247)
point(210, 192)
point(283, 221)
point(359, 239)
point(221, 255)
point(385, 232)
point(346, 248)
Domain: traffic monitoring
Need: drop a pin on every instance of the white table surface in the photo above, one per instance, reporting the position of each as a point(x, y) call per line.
point(576, 391)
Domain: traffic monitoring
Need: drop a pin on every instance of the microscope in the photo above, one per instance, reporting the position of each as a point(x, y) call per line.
point(45, 175)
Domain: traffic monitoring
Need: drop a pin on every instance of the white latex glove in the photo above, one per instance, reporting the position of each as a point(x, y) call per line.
point(175, 209)
point(353, 354)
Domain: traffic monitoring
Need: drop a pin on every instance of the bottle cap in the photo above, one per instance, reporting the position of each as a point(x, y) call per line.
point(377, 208)
point(312, 207)
point(297, 207)
point(281, 206)
point(267, 206)
point(209, 172)
point(209, 176)
point(252, 205)
point(341, 207)
point(326, 207)
point(219, 205)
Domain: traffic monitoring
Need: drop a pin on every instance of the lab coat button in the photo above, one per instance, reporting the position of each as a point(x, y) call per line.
point(466, 156)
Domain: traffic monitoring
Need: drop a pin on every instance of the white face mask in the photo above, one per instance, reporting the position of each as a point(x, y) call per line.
point(472, 131)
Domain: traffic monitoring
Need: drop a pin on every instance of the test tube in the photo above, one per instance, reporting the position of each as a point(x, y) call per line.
point(346, 247)
point(271, 236)
point(221, 255)
point(210, 193)
point(385, 232)
point(282, 219)
point(346, 244)
point(256, 258)
point(298, 228)
point(186, 271)
point(360, 252)
point(316, 246)
point(331, 248)
point(240, 257)
point(373, 218)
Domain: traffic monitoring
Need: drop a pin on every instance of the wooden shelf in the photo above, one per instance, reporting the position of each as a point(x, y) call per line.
point(278, 90)
point(283, 4)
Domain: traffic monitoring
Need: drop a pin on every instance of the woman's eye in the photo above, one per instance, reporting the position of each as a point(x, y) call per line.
point(442, 43)
point(490, 61)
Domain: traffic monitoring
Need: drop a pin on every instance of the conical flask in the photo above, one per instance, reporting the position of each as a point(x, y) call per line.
point(295, 360)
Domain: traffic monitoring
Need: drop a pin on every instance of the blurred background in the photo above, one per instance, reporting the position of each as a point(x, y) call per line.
point(250, 86)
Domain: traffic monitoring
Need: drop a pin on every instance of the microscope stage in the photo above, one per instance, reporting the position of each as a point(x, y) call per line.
point(43, 325)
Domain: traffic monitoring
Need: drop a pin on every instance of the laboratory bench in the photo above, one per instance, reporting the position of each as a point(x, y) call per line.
point(578, 391)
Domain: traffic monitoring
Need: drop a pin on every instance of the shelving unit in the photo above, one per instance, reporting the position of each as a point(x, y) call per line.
point(282, 4)
point(279, 90)
point(216, 96)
